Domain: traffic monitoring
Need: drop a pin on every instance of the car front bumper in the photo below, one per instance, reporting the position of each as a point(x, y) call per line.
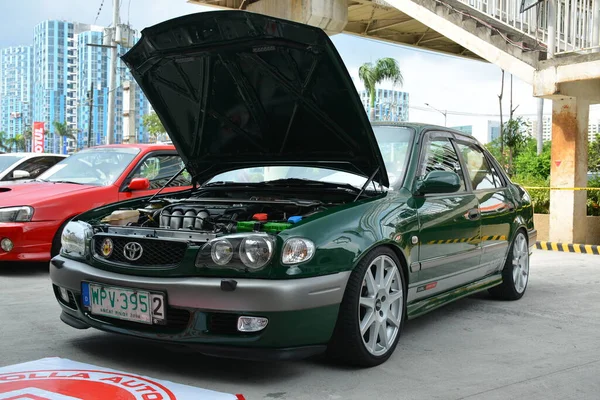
point(200, 313)
point(32, 241)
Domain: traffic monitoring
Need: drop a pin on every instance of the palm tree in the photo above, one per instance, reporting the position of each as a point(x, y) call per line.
point(64, 131)
point(4, 142)
point(27, 137)
point(371, 75)
point(19, 142)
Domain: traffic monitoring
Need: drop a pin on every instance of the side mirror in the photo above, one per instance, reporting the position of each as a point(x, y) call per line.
point(20, 174)
point(139, 184)
point(439, 182)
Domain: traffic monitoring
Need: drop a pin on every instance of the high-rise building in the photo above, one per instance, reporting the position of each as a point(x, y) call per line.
point(16, 69)
point(55, 78)
point(92, 92)
point(390, 105)
point(493, 130)
point(532, 124)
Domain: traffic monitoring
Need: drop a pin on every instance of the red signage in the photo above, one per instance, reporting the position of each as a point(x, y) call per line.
point(62, 379)
point(38, 137)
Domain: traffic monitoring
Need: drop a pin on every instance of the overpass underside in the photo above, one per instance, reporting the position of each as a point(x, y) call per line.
point(559, 57)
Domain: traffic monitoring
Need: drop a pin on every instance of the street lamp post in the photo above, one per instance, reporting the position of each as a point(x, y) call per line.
point(444, 113)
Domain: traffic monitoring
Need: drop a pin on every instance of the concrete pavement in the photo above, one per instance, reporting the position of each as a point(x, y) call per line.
point(545, 346)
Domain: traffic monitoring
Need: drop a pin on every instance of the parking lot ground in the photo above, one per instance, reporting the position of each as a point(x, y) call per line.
point(544, 346)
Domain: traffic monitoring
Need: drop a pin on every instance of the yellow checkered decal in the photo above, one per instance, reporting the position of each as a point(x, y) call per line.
point(468, 240)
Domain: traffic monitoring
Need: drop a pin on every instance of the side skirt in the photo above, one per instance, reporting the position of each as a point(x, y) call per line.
point(431, 303)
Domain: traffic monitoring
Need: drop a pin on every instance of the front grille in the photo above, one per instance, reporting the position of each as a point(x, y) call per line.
point(223, 324)
point(154, 252)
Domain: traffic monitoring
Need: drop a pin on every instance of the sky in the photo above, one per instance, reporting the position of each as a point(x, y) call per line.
point(445, 82)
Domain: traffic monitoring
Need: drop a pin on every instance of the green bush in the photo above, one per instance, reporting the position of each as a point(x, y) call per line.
point(539, 197)
point(593, 197)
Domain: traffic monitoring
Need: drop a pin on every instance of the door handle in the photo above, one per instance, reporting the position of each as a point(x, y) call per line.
point(473, 214)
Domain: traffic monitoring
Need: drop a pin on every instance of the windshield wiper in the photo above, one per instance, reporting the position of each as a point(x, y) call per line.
point(219, 183)
point(72, 182)
point(301, 181)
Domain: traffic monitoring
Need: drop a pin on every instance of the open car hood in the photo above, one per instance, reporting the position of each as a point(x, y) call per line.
point(235, 89)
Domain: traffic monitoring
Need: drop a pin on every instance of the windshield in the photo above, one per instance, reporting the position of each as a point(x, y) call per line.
point(8, 160)
point(393, 141)
point(99, 167)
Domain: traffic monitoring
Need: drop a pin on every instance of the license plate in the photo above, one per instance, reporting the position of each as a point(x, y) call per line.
point(124, 303)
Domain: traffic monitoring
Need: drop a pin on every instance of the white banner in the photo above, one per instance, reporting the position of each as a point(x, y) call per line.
point(61, 379)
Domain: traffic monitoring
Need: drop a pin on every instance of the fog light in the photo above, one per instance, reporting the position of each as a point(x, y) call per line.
point(64, 294)
point(251, 324)
point(6, 244)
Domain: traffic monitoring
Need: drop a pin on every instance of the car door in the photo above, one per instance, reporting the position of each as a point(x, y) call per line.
point(495, 200)
point(449, 223)
point(158, 168)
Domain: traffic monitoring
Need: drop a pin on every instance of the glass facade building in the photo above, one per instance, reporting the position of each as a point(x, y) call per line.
point(390, 105)
point(16, 72)
point(92, 92)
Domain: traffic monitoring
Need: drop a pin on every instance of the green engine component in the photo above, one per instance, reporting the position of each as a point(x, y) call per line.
point(253, 226)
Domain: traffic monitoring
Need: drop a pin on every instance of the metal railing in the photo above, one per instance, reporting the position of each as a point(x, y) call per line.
point(576, 25)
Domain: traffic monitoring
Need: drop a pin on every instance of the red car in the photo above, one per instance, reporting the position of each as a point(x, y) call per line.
point(33, 214)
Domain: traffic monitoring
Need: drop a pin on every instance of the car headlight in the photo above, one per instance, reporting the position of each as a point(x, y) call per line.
point(75, 237)
point(256, 251)
point(16, 214)
point(239, 251)
point(297, 250)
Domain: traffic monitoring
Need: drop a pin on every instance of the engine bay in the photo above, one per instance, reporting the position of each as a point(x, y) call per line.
point(201, 218)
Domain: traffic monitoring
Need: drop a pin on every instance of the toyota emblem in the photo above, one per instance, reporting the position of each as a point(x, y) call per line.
point(133, 251)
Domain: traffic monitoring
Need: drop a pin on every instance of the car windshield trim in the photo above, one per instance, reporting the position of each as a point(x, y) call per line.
point(94, 166)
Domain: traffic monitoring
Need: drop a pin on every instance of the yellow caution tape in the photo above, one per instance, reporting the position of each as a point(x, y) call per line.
point(557, 188)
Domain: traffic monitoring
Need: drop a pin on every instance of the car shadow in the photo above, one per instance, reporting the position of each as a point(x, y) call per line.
point(146, 356)
point(23, 268)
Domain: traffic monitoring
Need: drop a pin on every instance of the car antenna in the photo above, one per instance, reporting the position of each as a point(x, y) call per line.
point(366, 184)
point(166, 184)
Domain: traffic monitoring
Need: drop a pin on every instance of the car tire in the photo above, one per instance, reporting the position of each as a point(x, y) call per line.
point(370, 300)
point(515, 274)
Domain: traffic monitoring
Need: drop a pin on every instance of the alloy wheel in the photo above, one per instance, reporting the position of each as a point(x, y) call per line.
point(381, 307)
point(520, 263)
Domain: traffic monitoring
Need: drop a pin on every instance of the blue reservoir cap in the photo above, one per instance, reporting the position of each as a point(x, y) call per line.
point(295, 219)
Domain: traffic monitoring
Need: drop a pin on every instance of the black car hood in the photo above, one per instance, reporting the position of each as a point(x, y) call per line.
point(235, 89)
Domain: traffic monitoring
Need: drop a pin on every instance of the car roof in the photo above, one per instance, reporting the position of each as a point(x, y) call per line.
point(30, 154)
point(141, 146)
point(421, 128)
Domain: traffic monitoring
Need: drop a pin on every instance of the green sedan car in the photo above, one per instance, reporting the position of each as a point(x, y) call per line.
point(308, 229)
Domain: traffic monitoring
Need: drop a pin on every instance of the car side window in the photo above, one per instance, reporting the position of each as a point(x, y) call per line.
point(479, 170)
point(441, 156)
point(160, 168)
point(36, 166)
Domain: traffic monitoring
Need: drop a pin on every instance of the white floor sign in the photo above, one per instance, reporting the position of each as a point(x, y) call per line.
point(61, 379)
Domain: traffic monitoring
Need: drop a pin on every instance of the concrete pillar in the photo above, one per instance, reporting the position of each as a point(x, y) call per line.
point(129, 113)
point(329, 15)
point(568, 222)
